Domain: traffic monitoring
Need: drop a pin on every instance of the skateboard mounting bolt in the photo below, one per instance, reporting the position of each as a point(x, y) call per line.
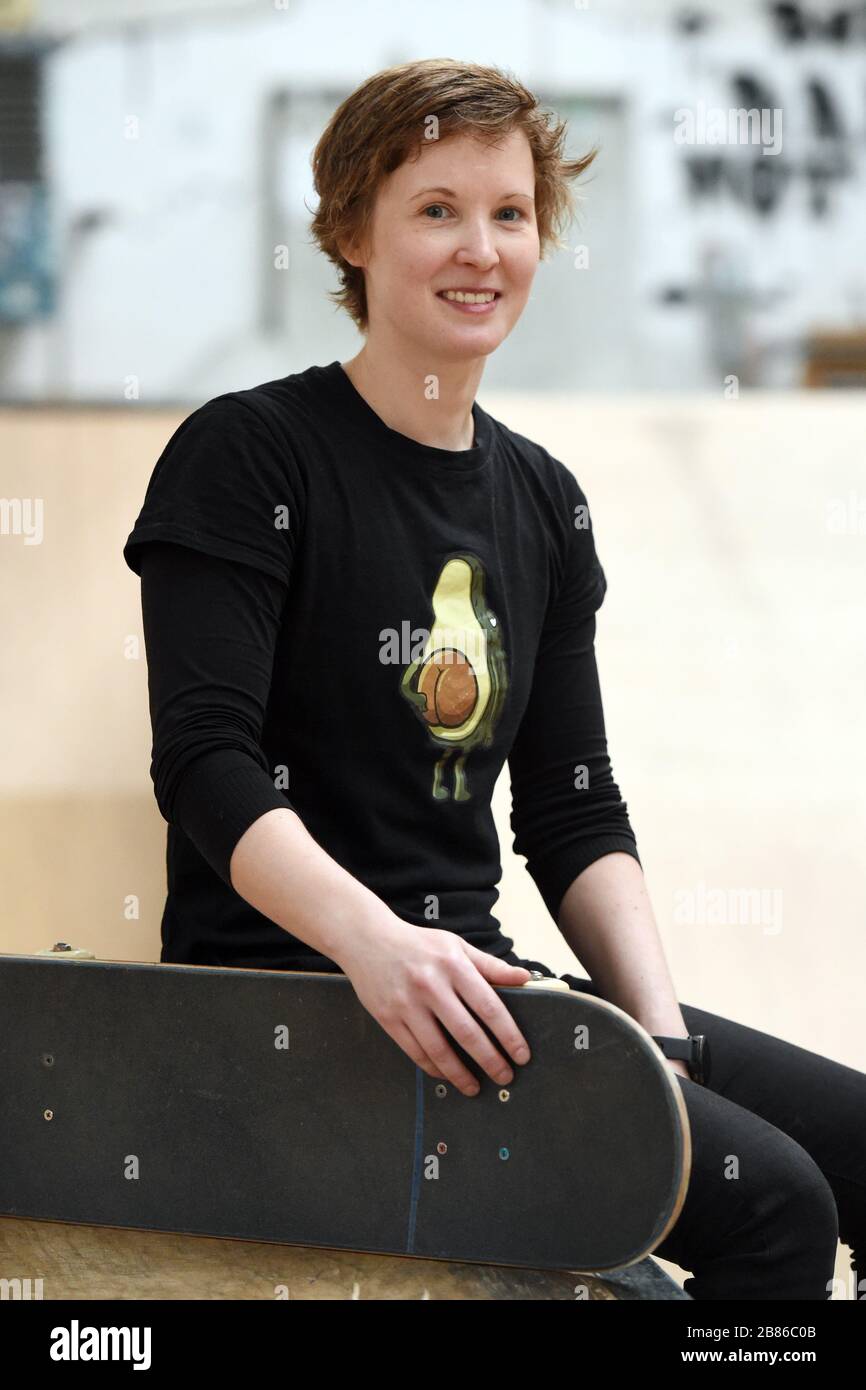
point(47, 1059)
point(441, 1148)
point(504, 1095)
point(503, 1153)
point(441, 1090)
point(48, 1114)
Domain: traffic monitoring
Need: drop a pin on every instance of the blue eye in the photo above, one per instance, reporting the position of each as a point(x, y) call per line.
point(442, 206)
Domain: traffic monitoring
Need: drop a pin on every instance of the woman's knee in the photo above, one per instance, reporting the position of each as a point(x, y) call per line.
point(759, 1219)
point(811, 1209)
point(783, 1186)
point(801, 1236)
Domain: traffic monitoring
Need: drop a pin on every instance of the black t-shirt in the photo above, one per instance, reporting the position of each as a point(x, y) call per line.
point(344, 621)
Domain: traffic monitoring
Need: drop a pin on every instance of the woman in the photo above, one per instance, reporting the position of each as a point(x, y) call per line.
point(361, 593)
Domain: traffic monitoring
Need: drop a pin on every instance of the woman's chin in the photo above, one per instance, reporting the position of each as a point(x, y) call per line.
point(471, 340)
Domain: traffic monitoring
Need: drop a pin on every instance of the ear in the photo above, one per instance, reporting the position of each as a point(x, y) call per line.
point(355, 249)
point(350, 252)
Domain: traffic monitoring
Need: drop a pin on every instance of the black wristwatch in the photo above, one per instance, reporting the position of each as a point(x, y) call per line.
point(693, 1050)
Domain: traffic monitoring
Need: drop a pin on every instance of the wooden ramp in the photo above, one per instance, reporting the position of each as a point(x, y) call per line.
point(103, 1262)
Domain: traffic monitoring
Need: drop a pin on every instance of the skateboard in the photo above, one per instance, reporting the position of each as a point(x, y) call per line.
point(270, 1105)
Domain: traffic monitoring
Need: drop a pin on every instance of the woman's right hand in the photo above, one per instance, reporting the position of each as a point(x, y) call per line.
point(414, 979)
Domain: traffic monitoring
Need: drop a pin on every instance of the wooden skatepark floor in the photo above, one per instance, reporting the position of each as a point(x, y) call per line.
point(100, 1262)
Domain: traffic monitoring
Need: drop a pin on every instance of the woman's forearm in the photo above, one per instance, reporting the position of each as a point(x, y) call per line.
point(280, 869)
point(607, 919)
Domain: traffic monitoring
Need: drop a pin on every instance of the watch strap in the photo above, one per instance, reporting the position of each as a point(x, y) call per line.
point(693, 1050)
point(678, 1049)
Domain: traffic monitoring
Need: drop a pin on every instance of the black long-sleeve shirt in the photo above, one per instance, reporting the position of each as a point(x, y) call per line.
point(361, 627)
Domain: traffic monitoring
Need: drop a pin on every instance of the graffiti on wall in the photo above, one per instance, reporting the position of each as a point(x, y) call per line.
point(828, 134)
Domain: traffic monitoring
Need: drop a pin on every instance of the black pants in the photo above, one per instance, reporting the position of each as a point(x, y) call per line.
point(778, 1166)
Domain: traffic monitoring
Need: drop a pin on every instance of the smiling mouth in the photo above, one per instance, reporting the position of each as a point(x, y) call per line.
point(470, 307)
point(480, 298)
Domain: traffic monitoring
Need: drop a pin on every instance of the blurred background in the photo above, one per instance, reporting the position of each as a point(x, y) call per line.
point(696, 354)
point(154, 152)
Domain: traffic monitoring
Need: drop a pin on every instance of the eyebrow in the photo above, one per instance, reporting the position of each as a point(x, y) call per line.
point(449, 193)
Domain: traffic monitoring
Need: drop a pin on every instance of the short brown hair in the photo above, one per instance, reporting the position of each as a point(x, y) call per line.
point(384, 120)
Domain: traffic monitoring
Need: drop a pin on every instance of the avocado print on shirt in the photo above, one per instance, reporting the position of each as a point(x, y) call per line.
point(457, 686)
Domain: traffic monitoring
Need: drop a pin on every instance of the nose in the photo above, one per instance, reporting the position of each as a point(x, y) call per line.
point(477, 246)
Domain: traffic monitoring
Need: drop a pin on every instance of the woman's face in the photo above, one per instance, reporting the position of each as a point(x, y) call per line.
point(460, 217)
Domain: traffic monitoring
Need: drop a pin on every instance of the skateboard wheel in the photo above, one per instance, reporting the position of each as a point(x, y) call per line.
point(546, 983)
point(63, 951)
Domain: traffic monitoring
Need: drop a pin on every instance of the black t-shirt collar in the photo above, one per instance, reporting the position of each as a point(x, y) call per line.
point(355, 411)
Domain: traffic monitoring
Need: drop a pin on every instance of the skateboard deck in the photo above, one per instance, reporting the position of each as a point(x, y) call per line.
point(270, 1105)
